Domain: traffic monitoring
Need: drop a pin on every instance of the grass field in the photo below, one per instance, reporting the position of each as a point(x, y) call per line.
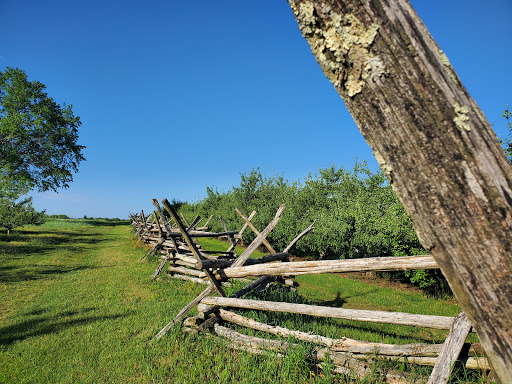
point(77, 307)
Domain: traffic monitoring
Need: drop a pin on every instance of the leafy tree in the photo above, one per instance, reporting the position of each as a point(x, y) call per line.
point(357, 215)
point(38, 137)
point(507, 143)
point(16, 211)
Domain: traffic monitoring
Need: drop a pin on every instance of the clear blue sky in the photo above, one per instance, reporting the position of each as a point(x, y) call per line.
point(178, 95)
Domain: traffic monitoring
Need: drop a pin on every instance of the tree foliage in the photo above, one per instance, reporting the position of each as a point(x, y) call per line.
point(38, 137)
point(357, 215)
point(507, 143)
point(16, 210)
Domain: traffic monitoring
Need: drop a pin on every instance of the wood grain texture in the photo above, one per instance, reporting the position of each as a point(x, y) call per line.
point(192, 246)
point(256, 232)
point(451, 350)
point(238, 262)
point(340, 345)
point(238, 236)
point(426, 321)
point(331, 266)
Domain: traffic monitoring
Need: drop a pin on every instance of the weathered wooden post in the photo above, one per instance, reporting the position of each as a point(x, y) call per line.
point(434, 144)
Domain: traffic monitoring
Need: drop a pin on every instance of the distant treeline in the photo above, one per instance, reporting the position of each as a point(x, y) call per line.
point(357, 215)
point(85, 218)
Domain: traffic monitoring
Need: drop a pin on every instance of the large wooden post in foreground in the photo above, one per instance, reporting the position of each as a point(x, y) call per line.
point(434, 144)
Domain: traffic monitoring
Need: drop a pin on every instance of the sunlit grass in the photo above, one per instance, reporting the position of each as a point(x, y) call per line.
point(62, 223)
point(77, 307)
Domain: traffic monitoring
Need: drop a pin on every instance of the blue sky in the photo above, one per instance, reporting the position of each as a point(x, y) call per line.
point(178, 95)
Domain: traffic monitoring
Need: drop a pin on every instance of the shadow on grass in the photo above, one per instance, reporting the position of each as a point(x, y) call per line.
point(14, 274)
point(57, 236)
point(50, 324)
point(33, 245)
point(338, 302)
point(102, 223)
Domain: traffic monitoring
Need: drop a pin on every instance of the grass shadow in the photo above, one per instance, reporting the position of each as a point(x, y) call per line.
point(31, 244)
point(14, 252)
point(103, 223)
point(45, 325)
point(14, 274)
point(338, 302)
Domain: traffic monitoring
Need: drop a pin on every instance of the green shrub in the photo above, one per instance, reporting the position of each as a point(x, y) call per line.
point(357, 215)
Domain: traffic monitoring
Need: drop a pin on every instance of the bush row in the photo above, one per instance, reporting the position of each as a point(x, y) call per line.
point(356, 214)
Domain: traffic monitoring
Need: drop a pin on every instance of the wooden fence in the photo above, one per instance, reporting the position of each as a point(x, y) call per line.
point(177, 243)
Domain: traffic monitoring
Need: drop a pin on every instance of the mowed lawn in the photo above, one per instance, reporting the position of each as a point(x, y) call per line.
point(77, 307)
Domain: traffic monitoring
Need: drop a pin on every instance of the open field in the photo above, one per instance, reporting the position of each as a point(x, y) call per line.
point(75, 306)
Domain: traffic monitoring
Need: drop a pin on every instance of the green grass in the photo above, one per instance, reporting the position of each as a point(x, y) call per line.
point(76, 306)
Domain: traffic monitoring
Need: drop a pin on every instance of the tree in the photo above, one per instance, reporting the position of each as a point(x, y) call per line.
point(434, 145)
point(38, 137)
point(14, 210)
point(507, 143)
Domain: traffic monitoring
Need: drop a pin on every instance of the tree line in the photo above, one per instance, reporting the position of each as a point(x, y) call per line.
point(356, 213)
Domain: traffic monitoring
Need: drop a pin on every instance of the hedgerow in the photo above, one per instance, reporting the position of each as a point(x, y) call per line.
point(356, 212)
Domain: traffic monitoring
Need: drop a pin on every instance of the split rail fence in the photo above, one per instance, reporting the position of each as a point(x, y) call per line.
point(177, 243)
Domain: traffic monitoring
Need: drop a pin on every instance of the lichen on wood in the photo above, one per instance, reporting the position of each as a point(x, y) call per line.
point(462, 116)
point(444, 58)
point(341, 46)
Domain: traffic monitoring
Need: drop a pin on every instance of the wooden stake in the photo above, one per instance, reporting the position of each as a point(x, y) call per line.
point(256, 232)
point(194, 223)
point(192, 246)
point(299, 236)
point(159, 268)
point(184, 311)
point(259, 239)
point(207, 221)
point(451, 350)
point(184, 219)
point(230, 238)
point(240, 233)
point(152, 250)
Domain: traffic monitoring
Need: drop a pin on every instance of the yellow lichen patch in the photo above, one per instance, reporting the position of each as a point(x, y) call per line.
point(462, 116)
point(293, 7)
point(341, 46)
point(307, 10)
point(444, 58)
